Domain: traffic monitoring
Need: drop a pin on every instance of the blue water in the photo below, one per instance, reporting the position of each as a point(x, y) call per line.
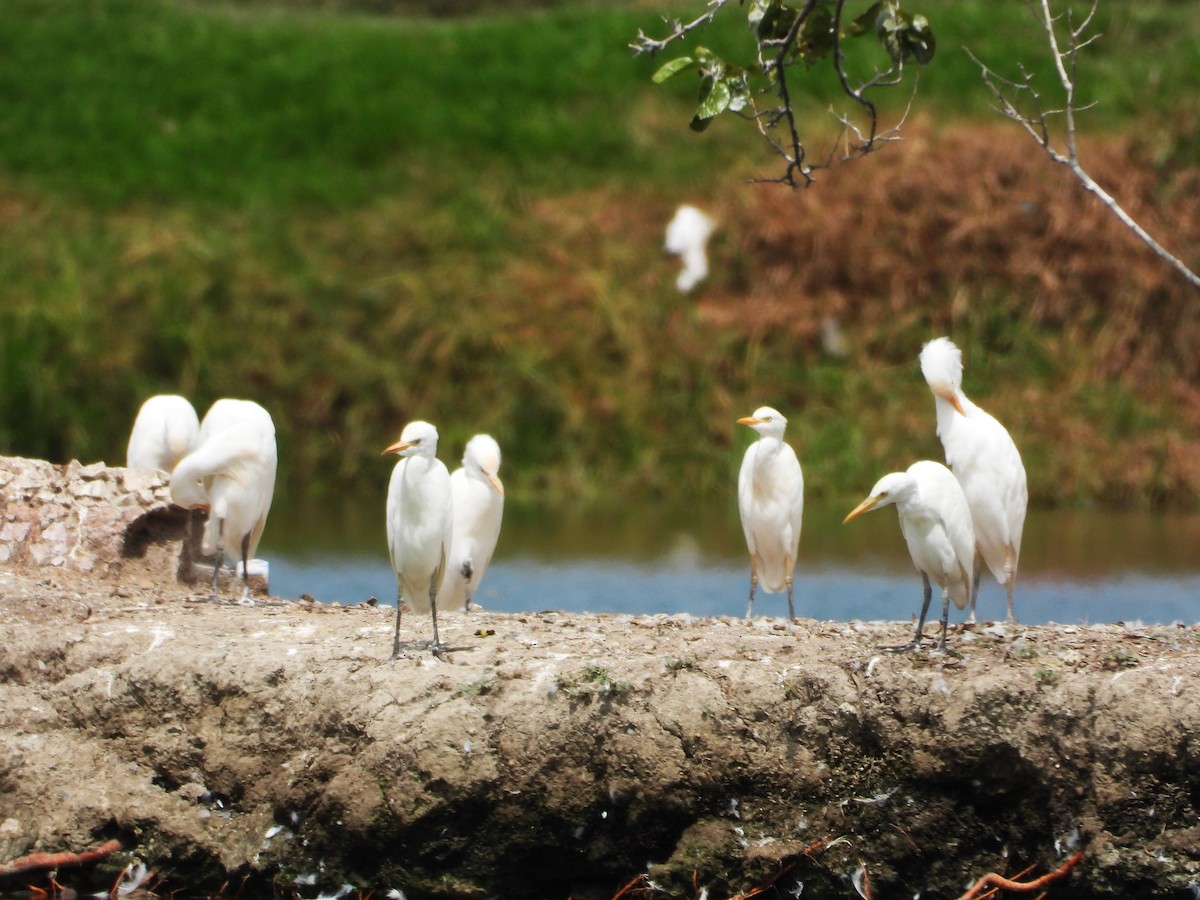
point(605, 586)
point(1076, 567)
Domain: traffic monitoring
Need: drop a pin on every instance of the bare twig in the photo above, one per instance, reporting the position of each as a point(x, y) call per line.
point(1037, 122)
point(679, 30)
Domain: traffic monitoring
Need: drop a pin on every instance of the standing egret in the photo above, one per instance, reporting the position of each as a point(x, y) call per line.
point(478, 499)
point(771, 503)
point(687, 237)
point(936, 524)
point(420, 518)
point(231, 473)
point(164, 432)
point(987, 464)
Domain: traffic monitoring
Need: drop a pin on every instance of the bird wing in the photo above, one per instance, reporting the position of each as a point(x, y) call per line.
point(746, 494)
point(956, 518)
point(942, 497)
point(796, 512)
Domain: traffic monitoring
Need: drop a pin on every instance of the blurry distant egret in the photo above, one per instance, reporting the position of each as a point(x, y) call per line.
point(419, 524)
point(771, 503)
point(164, 432)
point(478, 499)
point(987, 464)
point(231, 473)
point(687, 238)
point(936, 524)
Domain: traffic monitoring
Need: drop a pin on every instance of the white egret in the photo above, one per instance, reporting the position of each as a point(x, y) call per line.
point(231, 473)
point(771, 503)
point(420, 518)
point(936, 524)
point(164, 432)
point(478, 500)
point(687, 237)
point(986, 462)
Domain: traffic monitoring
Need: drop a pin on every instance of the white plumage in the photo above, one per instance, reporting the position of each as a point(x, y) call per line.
point(231, 473)
point(986, 462)
point(164, 432)
point(687, 237)
point(936, 524)
point(478, 500)
point(771, 504)
point(419, 524)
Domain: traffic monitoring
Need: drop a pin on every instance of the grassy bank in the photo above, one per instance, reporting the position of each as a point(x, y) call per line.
point(360, 220)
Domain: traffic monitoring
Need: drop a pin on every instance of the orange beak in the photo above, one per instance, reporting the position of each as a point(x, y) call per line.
point(952, 398)
point(748, 420)
point(495, 480)
point(398, 447)
point(866, 506)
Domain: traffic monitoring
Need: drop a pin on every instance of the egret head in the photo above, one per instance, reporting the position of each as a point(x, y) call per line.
point(941, 364)
point(417, 439)
point(766, 421)
point(891, 488)
point(482, 457)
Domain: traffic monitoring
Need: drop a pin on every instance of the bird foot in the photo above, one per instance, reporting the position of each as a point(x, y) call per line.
point(900, 648)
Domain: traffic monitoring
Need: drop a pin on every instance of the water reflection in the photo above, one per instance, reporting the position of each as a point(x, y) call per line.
point(1094, 566)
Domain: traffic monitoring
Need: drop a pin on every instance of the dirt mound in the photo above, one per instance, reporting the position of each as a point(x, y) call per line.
point(557, 755)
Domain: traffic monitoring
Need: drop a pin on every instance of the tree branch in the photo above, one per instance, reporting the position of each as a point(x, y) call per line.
point(1037, 123)
point(679, 30)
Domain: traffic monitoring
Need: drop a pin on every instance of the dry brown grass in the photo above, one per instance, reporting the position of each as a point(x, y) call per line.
point(1075, 334)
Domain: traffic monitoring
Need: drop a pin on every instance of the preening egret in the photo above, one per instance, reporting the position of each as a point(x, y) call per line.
point(164, 432)
point(771, 503)
point(420, 520)
point(987, 464)
point(936, 524)
point(478, 499)
point(687, 237)
point(231, 473)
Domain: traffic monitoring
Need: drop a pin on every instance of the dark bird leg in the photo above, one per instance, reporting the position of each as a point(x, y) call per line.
point(246, 571)
point(396, 637)
point(915, 643)
point(975, 585)
point(434, 581)
point(1010, 577)
point(753, 583)
point(468, 571)
point(218, 560)
point(945, 618)
point(788, 579)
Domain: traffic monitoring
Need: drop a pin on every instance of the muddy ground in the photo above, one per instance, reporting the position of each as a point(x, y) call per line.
point(278, 746)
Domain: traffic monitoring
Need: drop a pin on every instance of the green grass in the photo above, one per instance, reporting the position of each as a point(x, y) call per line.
point(347, 217)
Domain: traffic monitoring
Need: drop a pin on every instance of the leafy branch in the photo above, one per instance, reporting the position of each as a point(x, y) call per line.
point(809, 34)
point(1020, 100)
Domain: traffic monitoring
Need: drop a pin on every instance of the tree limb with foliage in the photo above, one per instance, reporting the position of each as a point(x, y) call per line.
point(790, 40)
point(1020, 100)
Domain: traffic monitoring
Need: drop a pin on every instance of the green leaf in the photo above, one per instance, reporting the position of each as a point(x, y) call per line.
point(716, 102)
point(921, 42)
point(866, 21)
point(905, 36)
point(672, 68)
point(816, 39)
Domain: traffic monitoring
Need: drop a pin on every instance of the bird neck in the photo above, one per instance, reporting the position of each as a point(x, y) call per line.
point(769, 445)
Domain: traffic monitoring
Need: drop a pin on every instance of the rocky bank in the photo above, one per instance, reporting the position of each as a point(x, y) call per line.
point(278, 747)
